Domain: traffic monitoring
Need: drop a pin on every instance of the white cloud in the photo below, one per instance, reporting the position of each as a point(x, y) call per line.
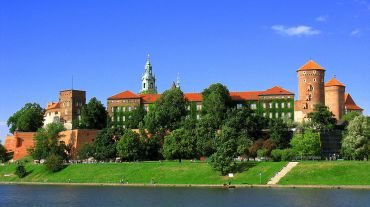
point(322, 18)
point(301, 30)
point(355, 32)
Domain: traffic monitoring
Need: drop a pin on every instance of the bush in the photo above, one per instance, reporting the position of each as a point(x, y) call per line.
point(288, 154)
point(276, 155)
point(54, 163)
point(20, 170)
point(261, 153)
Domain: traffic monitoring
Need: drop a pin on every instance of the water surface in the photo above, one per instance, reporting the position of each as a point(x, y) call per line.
point(27, 195)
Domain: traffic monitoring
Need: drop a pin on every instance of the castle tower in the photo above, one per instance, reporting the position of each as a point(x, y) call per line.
point(148, 79)
point(311, 90)
point(71, 102)
point(334, 97)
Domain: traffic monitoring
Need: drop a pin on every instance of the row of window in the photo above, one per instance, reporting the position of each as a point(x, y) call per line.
point(122, 108)
point(126, 101)
point(277, 97)
point(278, 105)
point(283, 115)
point(119, 118)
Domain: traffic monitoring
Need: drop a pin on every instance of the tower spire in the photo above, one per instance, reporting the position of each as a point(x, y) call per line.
point(148, 78)
point(178, 80)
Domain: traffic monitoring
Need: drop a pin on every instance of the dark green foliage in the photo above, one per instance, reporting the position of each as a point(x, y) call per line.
point(205, 136)
point(322, 119)
point(168, 113)
point(20, 170)
point(105, 146)
point(180, 144)
point(136, 117)
point(4, 156)
point(130, 146)
point(276, 155)
point(53, 163)
point(28, 119)
point(216, 102)
point(350, 116)
point(280, 133)
point(261, 153)
point(47, 142)
point(86, 151)
point(307, 144)
point(93, 115)
point(152, 147)
point(226, 147)
point(288, 154)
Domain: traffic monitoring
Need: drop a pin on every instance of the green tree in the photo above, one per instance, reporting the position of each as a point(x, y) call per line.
point(350, 116)
point(54, 163)
point(226, 149)
point(356, 142)
point(105, 146)
point(86, 151)
point(136, 117)
point(47, 142)
point(20, 170)
point(28, 119)
point(168, 113)
point(205, 135)
point(3, 154)
point(129, 147)
point(322, 119)
point(93, 115)
point(180, 144)
point(216, 102)
point(280, 133)
point(307, 144)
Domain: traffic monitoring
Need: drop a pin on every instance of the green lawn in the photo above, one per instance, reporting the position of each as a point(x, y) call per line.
point(142, 172)
point(329, 173)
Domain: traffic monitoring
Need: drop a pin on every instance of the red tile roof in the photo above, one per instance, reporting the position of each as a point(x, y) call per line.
point(333, 82)
point(193, 97)
point(150, 98)
point(350, 103)
point(277, 90)
point(311, 65)
point(125, 94)
point(247, 95)
point(53, 105)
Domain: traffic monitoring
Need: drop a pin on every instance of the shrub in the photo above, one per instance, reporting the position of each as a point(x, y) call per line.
point(20, 170)
point(54, 163)
point(261, 153)
point(288, 154)
point(276, 155)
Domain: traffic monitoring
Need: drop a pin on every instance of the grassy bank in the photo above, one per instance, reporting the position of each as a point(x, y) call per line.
point(329, 173)
point(143, 172)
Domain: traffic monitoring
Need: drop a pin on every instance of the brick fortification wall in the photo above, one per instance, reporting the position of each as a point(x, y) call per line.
point(20, 142)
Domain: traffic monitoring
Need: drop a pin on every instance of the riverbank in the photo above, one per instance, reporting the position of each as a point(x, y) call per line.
point(359, 187)
point(185, 173)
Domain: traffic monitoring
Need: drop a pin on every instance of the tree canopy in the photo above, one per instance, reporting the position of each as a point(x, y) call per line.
point(130, 146)
point(356, 143)
point(104, 144)
point(28, 119)
point(322, 119)
point(307, 144)
point(93, 115)
point(180, 144)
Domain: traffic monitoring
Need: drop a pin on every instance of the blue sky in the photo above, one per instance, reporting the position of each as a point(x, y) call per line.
point(247, 45)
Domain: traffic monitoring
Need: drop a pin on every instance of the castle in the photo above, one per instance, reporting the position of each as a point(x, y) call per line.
point(313, 90)
point(275, 102)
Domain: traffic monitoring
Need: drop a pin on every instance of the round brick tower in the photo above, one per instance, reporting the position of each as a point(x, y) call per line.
point(334, 97)
point(311, 89)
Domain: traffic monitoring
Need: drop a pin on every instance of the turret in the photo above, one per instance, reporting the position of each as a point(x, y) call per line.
point(148, 79)
point(334, 97)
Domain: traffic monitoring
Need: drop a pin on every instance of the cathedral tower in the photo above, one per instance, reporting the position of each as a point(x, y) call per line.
point(311, 90)
point(334, 97)
point(148, 79)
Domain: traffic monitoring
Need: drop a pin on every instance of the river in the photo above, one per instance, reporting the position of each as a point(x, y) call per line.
point(33, 195)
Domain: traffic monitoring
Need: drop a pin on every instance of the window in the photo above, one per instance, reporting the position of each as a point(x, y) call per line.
point(123, 109)
point(305, 80)
point(314, 80)
point(198, 116)
point(118, 118)
point(314, 72)
point(239, 106)
point(254, 106)
point(264, 114)
point(112, 109)
point(282, 114)
point(270, 105)
point(65, 111)
point(277, 105)
point(289, 114)
point(270, 116)
point(276, 115)
point(129, 108)
point(289, 105)
point(304, 72)
point(146, 108)
point(283, 105)
point(264, 105)
point(188, 107)
point(144, 85)
point(112, 118)
point(199, 107)
point(124, 118)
